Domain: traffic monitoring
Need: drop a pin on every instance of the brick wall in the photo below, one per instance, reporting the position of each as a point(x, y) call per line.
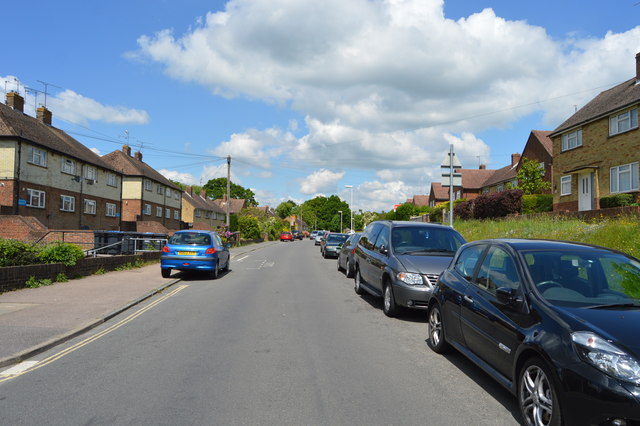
point(14, 277)
point(23, 228)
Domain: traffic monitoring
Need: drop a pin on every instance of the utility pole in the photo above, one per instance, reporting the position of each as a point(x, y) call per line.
point(228, 192)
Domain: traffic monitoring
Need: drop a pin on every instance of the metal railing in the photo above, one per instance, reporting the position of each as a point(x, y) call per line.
point(140, 245)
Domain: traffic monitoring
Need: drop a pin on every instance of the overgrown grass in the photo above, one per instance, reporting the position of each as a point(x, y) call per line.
point(621, 233)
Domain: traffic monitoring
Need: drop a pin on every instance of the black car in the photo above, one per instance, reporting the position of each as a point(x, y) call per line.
point(401, 261)
point(332, 244)
point(345, 255)
point(556, 323)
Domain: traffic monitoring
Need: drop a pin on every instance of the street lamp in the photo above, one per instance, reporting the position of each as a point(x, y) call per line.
point(351, 204)
point(340, 211)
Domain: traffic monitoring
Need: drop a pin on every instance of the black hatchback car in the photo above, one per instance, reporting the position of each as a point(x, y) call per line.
point(556, 323)
point(401, 261)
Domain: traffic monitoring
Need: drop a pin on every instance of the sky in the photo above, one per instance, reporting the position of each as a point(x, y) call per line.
point(308, 96)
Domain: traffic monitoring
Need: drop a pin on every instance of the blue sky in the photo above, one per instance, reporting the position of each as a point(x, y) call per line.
point(310, 96)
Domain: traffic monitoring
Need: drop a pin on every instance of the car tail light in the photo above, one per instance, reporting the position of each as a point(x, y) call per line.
point(210, 250)
point(165, 249)
point(353, 250)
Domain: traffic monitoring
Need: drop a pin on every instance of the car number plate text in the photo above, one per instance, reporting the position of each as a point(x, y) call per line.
point(187, 253)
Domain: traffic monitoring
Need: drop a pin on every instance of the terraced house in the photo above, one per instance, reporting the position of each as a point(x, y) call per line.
point(48, 175)
point(597, 150)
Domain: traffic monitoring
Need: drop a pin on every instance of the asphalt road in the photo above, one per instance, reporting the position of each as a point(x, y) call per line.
point(282, 339)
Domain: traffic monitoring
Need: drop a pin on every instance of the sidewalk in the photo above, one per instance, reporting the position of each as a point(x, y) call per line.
point(33, 320)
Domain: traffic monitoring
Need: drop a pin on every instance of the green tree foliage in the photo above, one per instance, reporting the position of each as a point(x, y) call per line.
point(531, 177)
point(249, 227)
point(320, 212)
point(17, 253)
point(217, 188)
point(66, 253)
point(405, 211)
point(285, 209)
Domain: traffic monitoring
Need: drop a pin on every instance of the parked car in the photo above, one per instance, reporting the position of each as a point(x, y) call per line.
point(195, 251)
point(286, 236)
point(401, 261)
point(345, 255)
point(297, 235)
point(312, 235)
point(556, 323)
point(332, 244)
point(319, 237)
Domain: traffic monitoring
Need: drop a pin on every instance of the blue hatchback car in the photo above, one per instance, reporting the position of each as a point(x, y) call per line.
point(195, 250)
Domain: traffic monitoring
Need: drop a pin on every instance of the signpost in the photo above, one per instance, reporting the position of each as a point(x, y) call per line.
point(450, 177)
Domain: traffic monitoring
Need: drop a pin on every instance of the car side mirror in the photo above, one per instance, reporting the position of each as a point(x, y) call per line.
point(507, 296)
point(227, 245)
point(384, 249)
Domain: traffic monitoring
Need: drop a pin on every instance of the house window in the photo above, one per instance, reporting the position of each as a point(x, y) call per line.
point(167, 213)
point(147, 209)
point(500, 188)
point(159, 189)
point(541, 167)
point(623, 122)
point(37, 156)
point(197, 213)
point(68, 166)
point(458, 195)
point(177, 195)
point(207, 214)
point(89, 207)
point(159, 211)
point(484, 191)
point(168, 193)
point(90, 173)
point(148, 186)
point(571, 140)
point(67, 203)
point(176, 215)
point(111, 209)
point(111, 179)
point(36, 198)
point(624, 178)
point(565, 185)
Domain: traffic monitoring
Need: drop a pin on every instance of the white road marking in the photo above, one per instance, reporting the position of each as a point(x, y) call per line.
point(19, 368)
point(242, 258)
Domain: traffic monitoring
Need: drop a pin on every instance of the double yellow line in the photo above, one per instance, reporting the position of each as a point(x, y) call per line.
point(88, 340)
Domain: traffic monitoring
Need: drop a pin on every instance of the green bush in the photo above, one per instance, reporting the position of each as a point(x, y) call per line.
point(61, 278)
point(436, 213)
point(34, 282)
point(617, 200)
point(537, 203)
point(17, 253)
point(66, 253)
point(249, 227)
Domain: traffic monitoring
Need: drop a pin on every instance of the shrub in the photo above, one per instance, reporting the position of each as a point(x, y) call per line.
point(66, 253)
point(34, 282)
point(436, 213)
point(17, 253)
point(61, 278)
point(537, 203)
point(498, 204)
point(249, 227)
point(617, 200)
point(463, 210)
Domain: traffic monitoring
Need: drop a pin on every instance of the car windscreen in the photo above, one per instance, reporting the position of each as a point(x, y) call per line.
point(585, 278)
point(337, 238)
point(191, 238)
point(423, 239)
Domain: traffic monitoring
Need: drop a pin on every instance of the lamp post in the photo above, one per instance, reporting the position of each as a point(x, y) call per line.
point(340, 211)
point(351, 205)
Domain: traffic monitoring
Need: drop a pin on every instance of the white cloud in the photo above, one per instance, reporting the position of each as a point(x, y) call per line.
point(77, 108)
point(95, 151)
point(320, 181)
point(186, 178)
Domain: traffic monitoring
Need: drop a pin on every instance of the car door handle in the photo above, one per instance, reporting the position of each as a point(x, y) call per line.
point(468, 298)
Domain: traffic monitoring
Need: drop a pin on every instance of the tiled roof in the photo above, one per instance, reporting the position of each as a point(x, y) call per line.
point(420, 200)
point(439, 192)
point(504, 174)
point(235, 206)
point(15, 124)
point(475, 178)
point(545, 140)
point(618, 97)
point(131, 166)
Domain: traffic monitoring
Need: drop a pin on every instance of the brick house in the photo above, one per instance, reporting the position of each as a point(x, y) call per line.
point(596, 151)
point(48, 175)
point(503, 178)
point(147, 196)
point(539, 148)
point(200, 212)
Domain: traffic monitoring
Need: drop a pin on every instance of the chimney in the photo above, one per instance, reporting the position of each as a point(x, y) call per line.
point(638, 68)
point(44, 115)
point(515, 159)
point(189, 190)
point(15, 101)
point(482, 166)
point(126, 149)
point(203, 194)
point(138, 155)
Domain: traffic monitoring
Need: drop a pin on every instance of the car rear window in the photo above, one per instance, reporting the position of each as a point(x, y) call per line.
point(337, 238)
point(191, 238)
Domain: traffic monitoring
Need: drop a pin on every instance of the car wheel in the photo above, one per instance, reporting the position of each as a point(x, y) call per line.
point(349, 270)
point(357, 283)
point(226, 265)
point(338, 263)
point(435, 330)
point(537, 396)
point(215, 271)
point(166, 272)
point(389, 306)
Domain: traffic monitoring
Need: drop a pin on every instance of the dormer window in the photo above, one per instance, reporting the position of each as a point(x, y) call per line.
point(624, 122)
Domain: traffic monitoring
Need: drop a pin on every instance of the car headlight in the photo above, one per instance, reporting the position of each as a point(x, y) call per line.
point(606, 356)
point(410, 278)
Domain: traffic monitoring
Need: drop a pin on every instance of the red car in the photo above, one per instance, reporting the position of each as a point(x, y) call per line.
point(286, 236)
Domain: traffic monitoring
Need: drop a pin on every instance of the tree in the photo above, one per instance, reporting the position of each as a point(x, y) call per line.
point(285, 209)
point(249, 227)
point(531, 177)
point(404, 211)
point(321, 212)
point(217, 188)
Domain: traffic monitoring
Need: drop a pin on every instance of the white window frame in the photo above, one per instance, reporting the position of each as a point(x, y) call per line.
point(90, 173)
point(623, 122)
point(148, 186)
point(176, 214)
point(628, 172)
point(500, 187)
point(111, 179)
point(167, 213)
point(68, 166)
point(168, 192)
point(37, 198)
point(541, 166)
point(177, 195)
point(67, 203)
point(572, 140)
point(159, 189)
point(147, 209)
point(110, 210)
point(89, 206)
point(197, 212)
point(158, 211)
point(565, 180)
point(37, 156)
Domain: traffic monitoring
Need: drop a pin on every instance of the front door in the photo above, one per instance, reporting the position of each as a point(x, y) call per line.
point(585, 191)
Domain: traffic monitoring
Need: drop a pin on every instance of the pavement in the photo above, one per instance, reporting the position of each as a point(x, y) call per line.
point(33, 320)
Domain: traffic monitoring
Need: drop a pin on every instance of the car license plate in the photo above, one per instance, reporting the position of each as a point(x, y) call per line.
point(187, 253)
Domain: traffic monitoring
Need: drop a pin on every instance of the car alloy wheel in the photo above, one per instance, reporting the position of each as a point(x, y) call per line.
point(215, 271)
point(537, 397)
point(389, 302)
point(357, 283)
point(435, 330)
point(348, 269)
